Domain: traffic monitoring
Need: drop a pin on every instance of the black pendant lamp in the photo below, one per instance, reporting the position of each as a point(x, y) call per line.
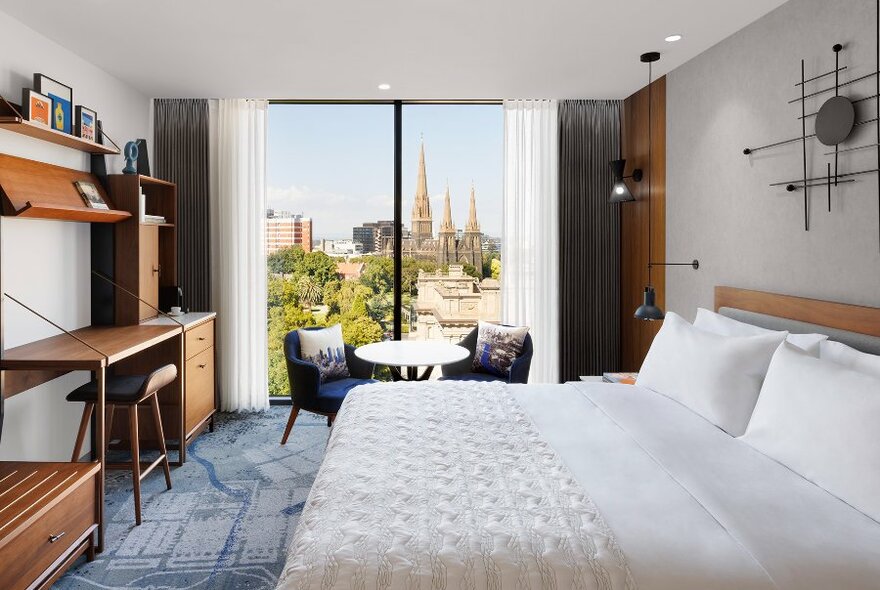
point(648, 310)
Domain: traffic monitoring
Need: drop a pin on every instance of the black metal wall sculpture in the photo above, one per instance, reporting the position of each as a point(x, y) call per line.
point(834, 124)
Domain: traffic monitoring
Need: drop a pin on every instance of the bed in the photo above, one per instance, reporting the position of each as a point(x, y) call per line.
point(580, 485)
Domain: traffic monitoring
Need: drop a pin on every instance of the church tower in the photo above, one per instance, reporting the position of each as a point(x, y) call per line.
point(470, 249)
point(446, 246)
point(422, 223)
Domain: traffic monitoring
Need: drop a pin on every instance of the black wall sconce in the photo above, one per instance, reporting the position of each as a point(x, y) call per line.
point(620, 193)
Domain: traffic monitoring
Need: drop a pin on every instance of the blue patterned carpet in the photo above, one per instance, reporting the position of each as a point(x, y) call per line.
point(228, 520)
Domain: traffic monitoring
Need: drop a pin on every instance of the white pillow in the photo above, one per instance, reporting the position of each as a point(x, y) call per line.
point(716, 323)
point(326, 349)
point(718, 377)
point(840, 353)
point(820, 420)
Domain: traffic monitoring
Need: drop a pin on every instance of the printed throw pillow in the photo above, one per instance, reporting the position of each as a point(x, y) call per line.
point(497, 348)
point(326, 349)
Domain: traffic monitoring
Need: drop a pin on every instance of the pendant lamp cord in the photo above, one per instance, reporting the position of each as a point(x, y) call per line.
point(650, 171)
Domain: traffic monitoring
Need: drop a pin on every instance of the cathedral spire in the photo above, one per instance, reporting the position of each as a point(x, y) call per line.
point(446, 225)
point(473, 225)
point(422, 222)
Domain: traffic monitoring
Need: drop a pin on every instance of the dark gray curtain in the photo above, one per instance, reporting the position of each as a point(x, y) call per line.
point(589, 238)
point(181, 153)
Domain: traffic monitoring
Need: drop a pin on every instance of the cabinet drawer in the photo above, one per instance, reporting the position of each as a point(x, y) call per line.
point(199, 388)
point(27, 557)
point(199, 339)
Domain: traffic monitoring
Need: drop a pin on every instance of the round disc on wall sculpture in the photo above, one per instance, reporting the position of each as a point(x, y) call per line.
point(835, 120)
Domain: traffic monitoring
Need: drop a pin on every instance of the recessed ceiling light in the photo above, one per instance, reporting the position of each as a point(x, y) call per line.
point(384, 86)
point(673, 38)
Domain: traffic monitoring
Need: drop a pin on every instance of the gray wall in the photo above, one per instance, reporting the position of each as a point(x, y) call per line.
point(720, 208)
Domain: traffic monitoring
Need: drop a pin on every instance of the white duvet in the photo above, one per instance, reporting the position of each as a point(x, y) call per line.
point(447, 486)
point(464, 485)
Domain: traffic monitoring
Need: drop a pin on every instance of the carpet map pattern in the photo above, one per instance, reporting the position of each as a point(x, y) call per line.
point(227, 522)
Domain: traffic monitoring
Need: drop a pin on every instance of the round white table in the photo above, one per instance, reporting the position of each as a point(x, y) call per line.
point(412, 354)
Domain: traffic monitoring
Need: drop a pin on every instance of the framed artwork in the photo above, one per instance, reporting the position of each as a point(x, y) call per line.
point(86, 122)
point(90, 195)
point(62, 102)
point(36, 107)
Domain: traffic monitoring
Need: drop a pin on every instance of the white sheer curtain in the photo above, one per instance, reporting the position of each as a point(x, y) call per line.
point(530, 229)
point(238, 211)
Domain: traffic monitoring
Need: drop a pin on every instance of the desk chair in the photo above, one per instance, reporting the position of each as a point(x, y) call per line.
point(128, 391)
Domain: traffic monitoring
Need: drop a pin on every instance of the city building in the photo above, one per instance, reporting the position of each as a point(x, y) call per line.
point(350, 270)
point(450, 246)
point(451, 303)
point(285, 229)
point(340, 248)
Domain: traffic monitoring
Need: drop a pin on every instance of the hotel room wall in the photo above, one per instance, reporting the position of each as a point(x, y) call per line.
point(46, 263)
point(719, 207)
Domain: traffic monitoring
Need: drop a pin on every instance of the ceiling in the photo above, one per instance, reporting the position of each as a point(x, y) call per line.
point(429, 49)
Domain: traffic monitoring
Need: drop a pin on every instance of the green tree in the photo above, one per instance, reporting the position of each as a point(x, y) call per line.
point(281, 292)
point(318, 266)
point(285, 261)
point(361, 330)
point(309, 291)
point(378, 275)
point(495, 268)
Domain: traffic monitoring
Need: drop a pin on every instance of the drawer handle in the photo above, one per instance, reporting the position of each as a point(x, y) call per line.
point(203, 366)
point(54, 538)
point(202, 338)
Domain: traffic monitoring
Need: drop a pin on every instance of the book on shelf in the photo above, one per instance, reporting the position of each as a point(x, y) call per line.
point(154, 219)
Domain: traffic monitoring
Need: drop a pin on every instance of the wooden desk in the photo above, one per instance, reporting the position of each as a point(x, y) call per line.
point(65, 353)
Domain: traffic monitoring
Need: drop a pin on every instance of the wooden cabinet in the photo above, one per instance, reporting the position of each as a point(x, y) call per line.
point(200, 392)
point(148, 275)
point(48, 514)
point(145, 254)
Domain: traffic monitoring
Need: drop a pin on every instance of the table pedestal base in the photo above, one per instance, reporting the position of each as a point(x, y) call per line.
point(412, 373)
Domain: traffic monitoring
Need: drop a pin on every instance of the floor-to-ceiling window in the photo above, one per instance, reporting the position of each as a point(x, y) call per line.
point(330, 226)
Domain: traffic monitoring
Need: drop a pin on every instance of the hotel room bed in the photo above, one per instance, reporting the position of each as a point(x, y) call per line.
point(580, 485)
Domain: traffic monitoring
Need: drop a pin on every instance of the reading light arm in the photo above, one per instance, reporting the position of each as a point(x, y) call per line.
point(695, 264)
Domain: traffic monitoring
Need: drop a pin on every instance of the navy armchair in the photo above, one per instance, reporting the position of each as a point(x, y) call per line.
point(463, 370)
point(306, 390)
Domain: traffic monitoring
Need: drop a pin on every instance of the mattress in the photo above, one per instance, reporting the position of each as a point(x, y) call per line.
point(453, 485)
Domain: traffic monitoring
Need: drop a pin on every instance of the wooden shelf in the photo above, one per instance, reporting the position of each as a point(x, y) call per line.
point(69, 213)
point(19, 125)
point(157, 224)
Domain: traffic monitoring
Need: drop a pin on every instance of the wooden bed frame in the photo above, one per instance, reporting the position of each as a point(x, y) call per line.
point(843, 316)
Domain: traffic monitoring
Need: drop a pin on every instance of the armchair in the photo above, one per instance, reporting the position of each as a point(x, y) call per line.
point(306, 390)
point(463, 370)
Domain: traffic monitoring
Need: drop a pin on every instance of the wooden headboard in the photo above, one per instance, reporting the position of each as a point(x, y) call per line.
point(843, 316)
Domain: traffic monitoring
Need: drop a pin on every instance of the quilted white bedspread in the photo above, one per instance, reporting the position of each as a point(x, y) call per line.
point(429, 486)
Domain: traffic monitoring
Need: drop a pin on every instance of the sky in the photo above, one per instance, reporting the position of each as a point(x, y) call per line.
point(335, 163)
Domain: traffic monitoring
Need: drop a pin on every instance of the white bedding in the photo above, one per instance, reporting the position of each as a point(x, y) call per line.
point(421, 483)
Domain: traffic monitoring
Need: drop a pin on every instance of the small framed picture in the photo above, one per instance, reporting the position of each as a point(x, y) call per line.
point(90, 195)
point(62, 102)
point(36, 107)
point(86, 121)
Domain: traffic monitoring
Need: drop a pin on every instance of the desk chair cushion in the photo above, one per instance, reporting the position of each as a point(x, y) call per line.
point(497, 347)
point(332, 394)
point(326, 349)
point(126, 388)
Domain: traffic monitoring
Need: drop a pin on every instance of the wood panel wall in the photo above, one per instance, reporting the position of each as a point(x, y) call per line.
point(637, 335)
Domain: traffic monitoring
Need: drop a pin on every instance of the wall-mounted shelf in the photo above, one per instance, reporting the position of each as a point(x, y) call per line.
point(19, 125)
point(31, 189)
point(70, 213)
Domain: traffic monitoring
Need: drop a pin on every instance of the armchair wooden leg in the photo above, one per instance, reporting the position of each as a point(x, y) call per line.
point(330, 420)
point(81, 434)
point(294, 411)
point(135, 461)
